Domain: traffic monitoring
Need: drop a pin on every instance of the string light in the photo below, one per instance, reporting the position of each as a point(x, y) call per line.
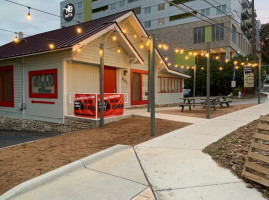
point(236, 67)
point(220, 68)
point(161, 62)
point(16, 39)
point(217, 57)
point(202, 68)
point(166, 58)
point(176, 65)
point(135, 36)
point(242, 63)
point(29, 17)
point(51, 46)
point(195, 54)
point(79, 50)
point(182, 51)
point(182, 67)
point(114, 38)
point(187, 57)
point(147, 43)
point(141, 46)
point(124, 30)
point(207, 55)
point(190, 53)
point(79, 30)
point(202, 54)
point(118, 50)
point(188, 67)
point(169, 64)
point(235, 62)
point(226, 60)
point(101, 52)
point(176, 50)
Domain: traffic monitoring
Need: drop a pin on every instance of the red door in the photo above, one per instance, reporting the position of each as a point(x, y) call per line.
point(139, 87)
point(110, 80)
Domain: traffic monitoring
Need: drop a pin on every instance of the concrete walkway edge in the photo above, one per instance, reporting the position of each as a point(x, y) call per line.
point(59, 172)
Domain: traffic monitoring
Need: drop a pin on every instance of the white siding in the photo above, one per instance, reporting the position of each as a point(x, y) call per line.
point(45, 112)
point(81, 78)
point(90, 53)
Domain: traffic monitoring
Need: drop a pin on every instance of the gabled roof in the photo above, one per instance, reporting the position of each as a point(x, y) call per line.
point(61, 38)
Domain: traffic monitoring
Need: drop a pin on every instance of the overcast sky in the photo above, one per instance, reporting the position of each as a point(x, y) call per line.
point(12, 17)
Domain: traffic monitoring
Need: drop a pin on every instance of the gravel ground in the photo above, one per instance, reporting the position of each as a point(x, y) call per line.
point(231, 152)
point(26, 161)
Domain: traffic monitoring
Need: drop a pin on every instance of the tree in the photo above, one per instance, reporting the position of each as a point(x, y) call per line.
point(221, 76)
point(264, 35)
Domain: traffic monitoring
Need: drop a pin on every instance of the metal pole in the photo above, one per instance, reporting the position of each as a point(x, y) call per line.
point(101, 85)
point(260, 76)
point(208, 83)
point(149, 81)
point(254, 51)
point(194, 80)
point(152, 90)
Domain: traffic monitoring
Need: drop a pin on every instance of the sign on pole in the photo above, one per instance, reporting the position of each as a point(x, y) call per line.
point(248, 76)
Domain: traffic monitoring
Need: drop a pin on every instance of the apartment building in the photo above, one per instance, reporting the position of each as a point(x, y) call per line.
point(230, 22)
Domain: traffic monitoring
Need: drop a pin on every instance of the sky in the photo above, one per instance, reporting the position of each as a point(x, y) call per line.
point(13, 17)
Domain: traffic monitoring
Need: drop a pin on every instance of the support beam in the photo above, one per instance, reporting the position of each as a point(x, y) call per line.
point(152, 89)
point(101, 85)
point(208, 83)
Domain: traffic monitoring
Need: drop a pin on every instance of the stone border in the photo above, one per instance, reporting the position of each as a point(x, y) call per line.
point(62, 171)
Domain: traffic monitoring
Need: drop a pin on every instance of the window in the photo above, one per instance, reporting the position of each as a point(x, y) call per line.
point(233, 34)
point(199, 35)
point(181, 16)
point(100, 9)
point(161, 6)
point(221, 9)
point(6, 86)
point(137, 10)
point(147, 10)
point(113, 6)
point(131, 1)
point(169, 85)
point(80, 4)
point(218, 32)
point(122, 3)
point(43, 84)
point(147, 24)
point(205, 12)
point(161, 21)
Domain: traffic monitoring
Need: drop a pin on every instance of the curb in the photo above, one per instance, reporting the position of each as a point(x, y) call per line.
point(62, 171)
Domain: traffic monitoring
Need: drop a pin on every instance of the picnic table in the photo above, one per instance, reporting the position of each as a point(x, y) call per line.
point(202, 101)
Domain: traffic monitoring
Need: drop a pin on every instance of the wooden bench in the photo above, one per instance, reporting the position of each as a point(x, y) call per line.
point(182, 105)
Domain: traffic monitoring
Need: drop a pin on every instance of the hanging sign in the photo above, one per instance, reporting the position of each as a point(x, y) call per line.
point(69, 12)
point(113, 105)
point(248, 76)
point(85, 105)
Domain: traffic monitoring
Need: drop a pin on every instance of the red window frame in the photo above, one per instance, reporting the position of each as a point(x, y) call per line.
point(41, 72)
point(170, 82)
point(2, 101)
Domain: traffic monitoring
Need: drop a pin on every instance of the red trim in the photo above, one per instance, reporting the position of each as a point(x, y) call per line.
point(41, 72)
point(44, 102)
point(169, 89)
point(2, 101)
point(141, 96)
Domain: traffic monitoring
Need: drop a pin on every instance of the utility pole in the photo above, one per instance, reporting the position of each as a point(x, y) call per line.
point(149, 74)
point(194, 80)
point(208, 83)
point(152, 89)
point(260, 76)
point(101, 85)
point(254, 51)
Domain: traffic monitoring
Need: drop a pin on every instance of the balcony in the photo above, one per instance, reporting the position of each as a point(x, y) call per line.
point(245, 14)
point(245, 3)
point(244, 26)
point(249, 23)
point(250, 13)
point(249, 34)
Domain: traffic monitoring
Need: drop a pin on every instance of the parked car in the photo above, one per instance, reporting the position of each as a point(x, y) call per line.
point(267, 79)
point(186, 92)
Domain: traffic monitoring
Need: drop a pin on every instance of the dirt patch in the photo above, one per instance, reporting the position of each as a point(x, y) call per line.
point(26, 161)
point(201, 112)
point(231, 152)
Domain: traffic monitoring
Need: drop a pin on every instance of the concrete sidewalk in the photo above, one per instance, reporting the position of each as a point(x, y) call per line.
point(177, 168)
point(172, 164)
